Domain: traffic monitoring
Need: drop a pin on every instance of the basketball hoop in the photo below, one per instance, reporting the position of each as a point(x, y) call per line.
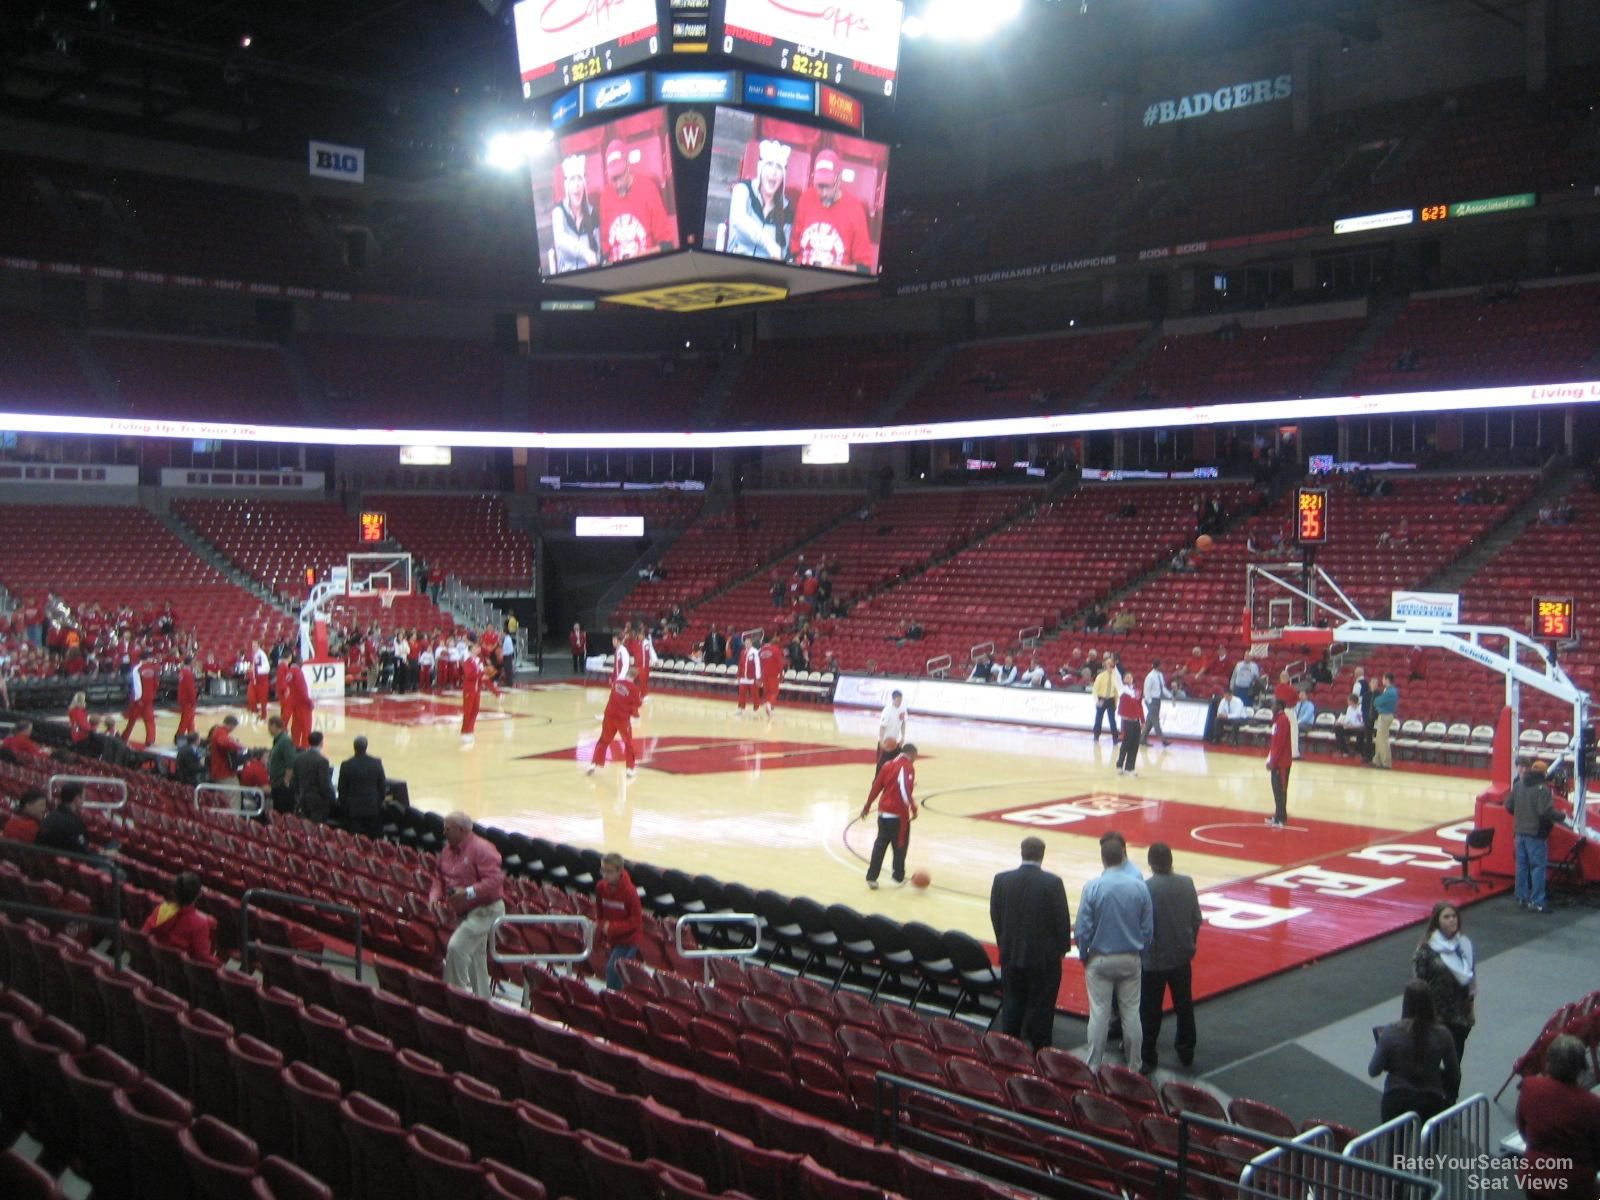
point(386, 598)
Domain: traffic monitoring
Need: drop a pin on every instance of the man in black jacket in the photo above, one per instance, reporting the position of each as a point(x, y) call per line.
point(1033, 928)
point(313, 781)
point(361, 788)
point(63, 827)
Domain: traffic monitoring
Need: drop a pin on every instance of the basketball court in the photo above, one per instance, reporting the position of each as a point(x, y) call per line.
point(777, 806)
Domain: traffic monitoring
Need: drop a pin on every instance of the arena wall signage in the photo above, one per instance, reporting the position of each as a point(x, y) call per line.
point(348, 164)
point(1223, 99)
point(1459, 400)
point(1425, 608)
point(1046, 707)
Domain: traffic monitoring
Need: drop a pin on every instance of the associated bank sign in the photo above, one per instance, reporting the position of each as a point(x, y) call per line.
point(1425, 608)
point(1224, 99)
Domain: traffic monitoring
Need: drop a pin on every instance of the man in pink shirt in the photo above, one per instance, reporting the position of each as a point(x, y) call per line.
point(470, 882)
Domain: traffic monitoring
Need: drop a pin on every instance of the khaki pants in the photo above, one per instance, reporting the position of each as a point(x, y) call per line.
point(466, 962)
point(1113, 978)
point(1380, 753)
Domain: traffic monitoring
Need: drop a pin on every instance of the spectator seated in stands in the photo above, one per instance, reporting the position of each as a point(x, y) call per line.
point(1305, 714)
point(1034, 676)
point(1180, 560)
point(179, 924)
point(1096, 620)
point(23, 824)
point(1124, 621)
point(1006, 674)
point(21, 746)
point(1350, 731)
point(911, 633)
point(1322, 669)
point(1232, 713)
point(190, 760)
point(1400, 535)
point(982, 670)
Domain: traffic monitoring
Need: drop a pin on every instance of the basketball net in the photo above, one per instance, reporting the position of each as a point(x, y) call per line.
point(386, 598)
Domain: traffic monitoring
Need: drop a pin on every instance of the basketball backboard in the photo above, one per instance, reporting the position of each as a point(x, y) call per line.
point(387, 574)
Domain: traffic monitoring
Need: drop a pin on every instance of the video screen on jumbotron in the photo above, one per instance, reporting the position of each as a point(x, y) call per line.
point(562, 43)
point(608, 196)
point(852, 44)
point(795, 194)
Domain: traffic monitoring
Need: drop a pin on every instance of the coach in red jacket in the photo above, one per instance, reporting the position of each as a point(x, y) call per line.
point(1280, 757)
point(893, 790)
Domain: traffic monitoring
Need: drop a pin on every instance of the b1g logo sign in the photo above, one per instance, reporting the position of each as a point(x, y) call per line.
point(346, 163)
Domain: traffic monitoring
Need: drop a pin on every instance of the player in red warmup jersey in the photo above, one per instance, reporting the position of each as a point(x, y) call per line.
point(621, 707)
point(750, 674)
point(471, 693)
point(771, 658)
point(188, 696)
point(143, 681)
point(285, 691)
point(300, 704)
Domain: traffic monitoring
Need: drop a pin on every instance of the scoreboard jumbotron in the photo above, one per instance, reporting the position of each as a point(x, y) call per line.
point(734, 169)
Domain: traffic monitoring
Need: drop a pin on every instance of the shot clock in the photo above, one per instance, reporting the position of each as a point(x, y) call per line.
point(1311, 516)
point(373, 529)
point(1554, 618)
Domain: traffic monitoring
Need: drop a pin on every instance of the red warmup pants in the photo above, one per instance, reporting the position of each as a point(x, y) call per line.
point(186, 720)
point(769, 688)
point(425, 679)
point(609, 730)
point(469, 712)
point(749, 693)
point(142, 710)
point(644, 681)
point(300, 725)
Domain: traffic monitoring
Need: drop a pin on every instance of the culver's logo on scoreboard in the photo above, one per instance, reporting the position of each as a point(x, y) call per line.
point(623, 91)
point(1425, 608)
point(346, 163)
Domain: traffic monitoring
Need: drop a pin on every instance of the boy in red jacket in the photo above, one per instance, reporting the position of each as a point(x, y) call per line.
point(616, 903)
point(179, 924)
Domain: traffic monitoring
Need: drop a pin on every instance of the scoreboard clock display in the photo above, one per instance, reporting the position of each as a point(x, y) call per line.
point(1554, 617)
point(565, 42)
point(1311, 516)
point(853, 44)
point(374, 528)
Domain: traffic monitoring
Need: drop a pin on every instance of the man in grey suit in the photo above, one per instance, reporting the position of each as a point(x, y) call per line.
point(1175, 913)
point(361, 788)
point(313, 781)
point(1032, 927)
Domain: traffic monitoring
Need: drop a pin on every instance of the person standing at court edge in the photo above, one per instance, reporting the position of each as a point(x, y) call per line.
point(1033, 929)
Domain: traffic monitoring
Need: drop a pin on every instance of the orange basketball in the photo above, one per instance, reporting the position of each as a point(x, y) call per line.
point(921, 879)
point(1204, 542)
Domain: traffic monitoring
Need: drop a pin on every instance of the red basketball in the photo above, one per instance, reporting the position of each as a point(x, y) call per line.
point(921, 879)
point(1204, 542)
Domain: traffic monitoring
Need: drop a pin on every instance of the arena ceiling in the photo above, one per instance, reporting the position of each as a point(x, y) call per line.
point(417, 81)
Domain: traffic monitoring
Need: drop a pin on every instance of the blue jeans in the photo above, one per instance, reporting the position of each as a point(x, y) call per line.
point(613, 975)
point(1533, 854)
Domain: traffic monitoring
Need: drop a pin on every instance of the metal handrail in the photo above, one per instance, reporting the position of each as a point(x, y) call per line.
point(119, 879)
point(585, 923)
point(91, 780)
point(1337, 1176)
point(1403, 1133)
point(938, 666)
point(245, 943)
point(710, 952)
point(240, 794)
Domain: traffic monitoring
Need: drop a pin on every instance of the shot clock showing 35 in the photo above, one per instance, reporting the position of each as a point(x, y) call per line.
point(1311, 516)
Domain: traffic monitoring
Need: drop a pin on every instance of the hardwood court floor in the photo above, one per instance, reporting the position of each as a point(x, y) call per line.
point(777, 806)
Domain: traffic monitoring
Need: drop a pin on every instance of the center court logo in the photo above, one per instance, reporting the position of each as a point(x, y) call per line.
point(689, 134)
